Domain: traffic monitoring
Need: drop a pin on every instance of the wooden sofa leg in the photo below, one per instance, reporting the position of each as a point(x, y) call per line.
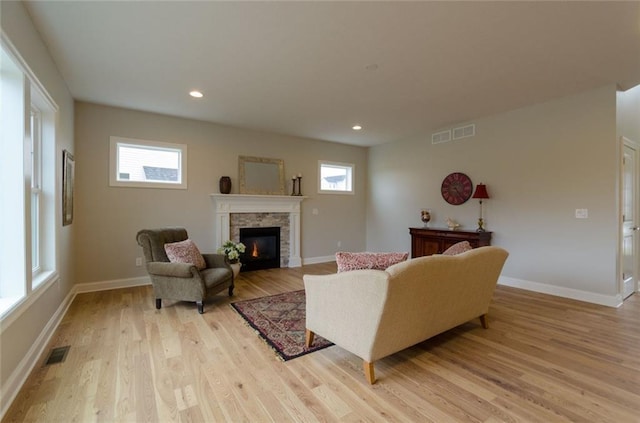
point(484, 321)
point(158, 303)
point(308, 338)
point(369, 372)
point(200, 307)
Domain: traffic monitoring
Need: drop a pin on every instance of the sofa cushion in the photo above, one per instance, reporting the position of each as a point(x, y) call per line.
point(185, 252)
point(458, 248)
point(378, 261)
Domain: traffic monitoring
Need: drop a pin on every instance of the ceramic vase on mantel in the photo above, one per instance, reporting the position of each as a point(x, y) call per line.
point(225, 185)
point(235, 267)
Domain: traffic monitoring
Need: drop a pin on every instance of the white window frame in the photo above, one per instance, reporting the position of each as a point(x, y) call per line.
point(29, 185)
point(350, 174)
point(36, 189)
point(116, 142)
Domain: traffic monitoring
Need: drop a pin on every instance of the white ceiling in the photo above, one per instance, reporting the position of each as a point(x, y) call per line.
point(301, 68)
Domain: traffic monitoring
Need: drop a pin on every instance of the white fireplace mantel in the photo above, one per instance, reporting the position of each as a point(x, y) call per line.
point(225, 204)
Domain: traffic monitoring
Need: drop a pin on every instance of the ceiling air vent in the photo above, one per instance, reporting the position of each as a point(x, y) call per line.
point(464, 131)
point(440, 137)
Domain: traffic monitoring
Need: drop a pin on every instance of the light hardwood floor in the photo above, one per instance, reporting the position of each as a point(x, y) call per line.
point(543, 359)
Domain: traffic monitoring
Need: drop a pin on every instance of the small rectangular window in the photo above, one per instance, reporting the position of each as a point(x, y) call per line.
point(147, 164)
point(335, 178)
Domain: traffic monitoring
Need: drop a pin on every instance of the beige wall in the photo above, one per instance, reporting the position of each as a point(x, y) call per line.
point(22, 333)
point(540, 163)
point(107, 218)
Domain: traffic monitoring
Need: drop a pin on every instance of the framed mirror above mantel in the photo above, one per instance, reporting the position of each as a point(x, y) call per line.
point(260, 175)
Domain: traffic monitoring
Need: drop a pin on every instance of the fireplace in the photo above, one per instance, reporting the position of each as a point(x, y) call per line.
point(233, 210)
point(262, 248)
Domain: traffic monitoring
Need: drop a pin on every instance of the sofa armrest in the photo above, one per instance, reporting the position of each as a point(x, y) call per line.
point(346, 308)
point(177, 270)
point(216, 260)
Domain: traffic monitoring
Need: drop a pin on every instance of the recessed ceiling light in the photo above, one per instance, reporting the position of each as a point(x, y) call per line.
point(356, 127)
point(196, 94)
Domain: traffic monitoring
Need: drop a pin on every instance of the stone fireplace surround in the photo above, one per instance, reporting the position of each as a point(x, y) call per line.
point(239, 221)
point(260, 210)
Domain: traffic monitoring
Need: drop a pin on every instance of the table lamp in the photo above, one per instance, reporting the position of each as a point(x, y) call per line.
point(481, 194)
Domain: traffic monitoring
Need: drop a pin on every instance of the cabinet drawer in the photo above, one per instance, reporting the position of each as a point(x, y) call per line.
point(426, 241)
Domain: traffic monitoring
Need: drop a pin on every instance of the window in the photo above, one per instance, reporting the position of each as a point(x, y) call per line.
point(36, 187)
point(28, 253)
point(150, 164)
point(336, 178)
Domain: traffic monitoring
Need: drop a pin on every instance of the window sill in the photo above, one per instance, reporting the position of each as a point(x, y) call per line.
point(43, 278)
point(336, 192)
point(6, 304)
point(11, 308)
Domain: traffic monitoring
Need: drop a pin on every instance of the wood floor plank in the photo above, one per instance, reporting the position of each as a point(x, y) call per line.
point(543, 359)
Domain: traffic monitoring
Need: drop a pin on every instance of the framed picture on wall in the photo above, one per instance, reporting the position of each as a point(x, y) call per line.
point(68, 172)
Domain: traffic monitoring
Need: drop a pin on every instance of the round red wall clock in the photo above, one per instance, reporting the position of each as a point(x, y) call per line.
point(456, 188)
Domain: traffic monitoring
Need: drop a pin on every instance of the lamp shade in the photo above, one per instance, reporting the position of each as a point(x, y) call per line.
point(481, 192)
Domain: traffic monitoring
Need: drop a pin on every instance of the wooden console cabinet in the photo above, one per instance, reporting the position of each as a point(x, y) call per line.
point(428, 241)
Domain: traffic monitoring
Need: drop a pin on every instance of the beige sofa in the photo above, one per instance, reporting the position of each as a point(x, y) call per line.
point(375, 313)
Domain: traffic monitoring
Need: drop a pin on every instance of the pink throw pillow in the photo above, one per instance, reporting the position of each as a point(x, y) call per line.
point(378, 261)
point(458, 248)
point(185, 252)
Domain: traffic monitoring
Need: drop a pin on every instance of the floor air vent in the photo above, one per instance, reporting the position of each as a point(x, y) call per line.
point(57, 355)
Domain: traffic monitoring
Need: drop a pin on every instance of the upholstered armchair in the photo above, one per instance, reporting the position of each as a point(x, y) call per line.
point(182, 281)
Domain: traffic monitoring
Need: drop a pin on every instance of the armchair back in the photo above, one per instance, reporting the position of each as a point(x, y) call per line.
point(152, 242)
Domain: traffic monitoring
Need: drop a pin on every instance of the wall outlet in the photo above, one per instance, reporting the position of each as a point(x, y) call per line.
point(138, 261)
point(582, 213)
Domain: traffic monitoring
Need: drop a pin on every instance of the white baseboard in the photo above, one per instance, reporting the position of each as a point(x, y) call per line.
point(114, 284)
point(559, 291)
point(316, 260)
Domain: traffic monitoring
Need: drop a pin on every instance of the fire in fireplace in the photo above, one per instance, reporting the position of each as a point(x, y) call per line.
point(262, 248)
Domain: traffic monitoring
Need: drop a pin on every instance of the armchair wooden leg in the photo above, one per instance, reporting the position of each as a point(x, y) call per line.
point(231, 291)
point(484, 322)
point(308, 338)
point(158, 303)
point(369, 372)
point(200, 307)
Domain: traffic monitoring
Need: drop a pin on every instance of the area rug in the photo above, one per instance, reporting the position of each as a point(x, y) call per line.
point(280, 321)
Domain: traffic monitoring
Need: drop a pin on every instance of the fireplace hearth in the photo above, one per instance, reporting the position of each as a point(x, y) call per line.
point(262, 248)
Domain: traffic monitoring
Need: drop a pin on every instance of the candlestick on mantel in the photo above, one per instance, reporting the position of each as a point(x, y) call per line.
point(299, 184)
point(293, 185)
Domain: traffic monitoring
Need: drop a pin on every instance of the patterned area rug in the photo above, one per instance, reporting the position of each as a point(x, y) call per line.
point(280, 321)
